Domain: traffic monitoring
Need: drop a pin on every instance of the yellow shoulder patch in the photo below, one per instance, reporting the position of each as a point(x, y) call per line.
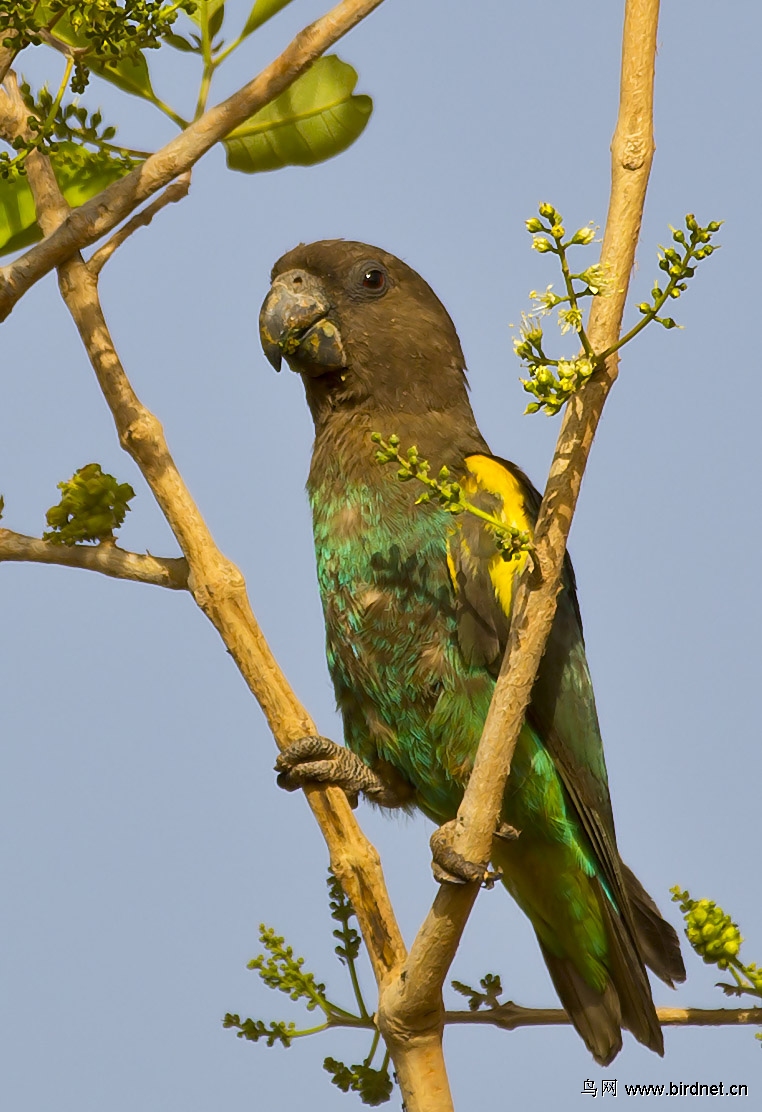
point(485, 474)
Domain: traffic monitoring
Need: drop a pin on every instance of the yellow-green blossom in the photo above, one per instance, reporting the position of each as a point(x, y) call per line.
point(570, 320)
point(584, 235)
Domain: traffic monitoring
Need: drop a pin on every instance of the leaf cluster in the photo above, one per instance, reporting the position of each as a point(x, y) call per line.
point(317, 117)
point(282, 971)
point(492, 989)
point(374, 1087)
point(350, 940)
point(93, 504)
point(256, 1029)
point(448, 493)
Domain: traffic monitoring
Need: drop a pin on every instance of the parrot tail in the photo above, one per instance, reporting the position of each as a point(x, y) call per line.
point(657, 940)
point(625, 1001)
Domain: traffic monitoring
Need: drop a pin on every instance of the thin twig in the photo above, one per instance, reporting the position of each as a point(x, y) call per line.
point(174, 192)
point(62, 47)
point(106, 558)
point(97, 217)
point(413, 996)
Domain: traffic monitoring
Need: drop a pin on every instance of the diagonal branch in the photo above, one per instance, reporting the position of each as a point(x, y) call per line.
point(97, 217)
point(173, 193)
point(216, 584)
point(106, 558)
point(410, 998)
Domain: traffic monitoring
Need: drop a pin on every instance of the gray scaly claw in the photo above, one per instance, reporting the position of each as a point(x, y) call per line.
point(451, 867)
point(318, 760)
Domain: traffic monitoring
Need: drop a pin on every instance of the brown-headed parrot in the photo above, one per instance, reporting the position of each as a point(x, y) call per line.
point(417, 604)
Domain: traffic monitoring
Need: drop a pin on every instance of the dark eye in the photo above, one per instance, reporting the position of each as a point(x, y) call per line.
point(374, 279)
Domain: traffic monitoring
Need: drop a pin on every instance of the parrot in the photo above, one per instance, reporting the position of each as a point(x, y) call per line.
point(417, 606)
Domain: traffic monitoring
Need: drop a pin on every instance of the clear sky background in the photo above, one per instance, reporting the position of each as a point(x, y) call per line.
point(143, 836)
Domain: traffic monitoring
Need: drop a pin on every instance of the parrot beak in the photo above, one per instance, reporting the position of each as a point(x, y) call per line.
point(293, 322)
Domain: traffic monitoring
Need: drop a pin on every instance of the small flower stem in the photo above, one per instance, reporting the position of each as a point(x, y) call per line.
point(47, 125)
point(741, 978)
point(493, 521)
point(654, 311)
point(308, 1031)
point(168, 111)
point(356, 989)
point(223, 54)
point(572, 298)
point(340, 1018)
point(321, 1002)
point(209, 65)
point(543, 357)
point(373, 1045)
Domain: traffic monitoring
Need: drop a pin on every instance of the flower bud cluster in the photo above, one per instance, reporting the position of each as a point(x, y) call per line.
point(711, 933)
point(449, 494)
point(553, 386)
point(675, 262)
point(551, 382)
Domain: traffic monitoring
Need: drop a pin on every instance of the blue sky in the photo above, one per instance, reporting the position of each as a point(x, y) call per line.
point(144, 836)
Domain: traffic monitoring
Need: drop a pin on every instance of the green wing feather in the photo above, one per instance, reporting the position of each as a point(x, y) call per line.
point(595, 922)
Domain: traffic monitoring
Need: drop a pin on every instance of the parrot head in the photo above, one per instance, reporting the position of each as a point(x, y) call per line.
point(359, 325)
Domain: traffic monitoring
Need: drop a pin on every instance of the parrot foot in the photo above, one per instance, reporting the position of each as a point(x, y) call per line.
point(318, 760)
point(451, 867)
point(507, 833)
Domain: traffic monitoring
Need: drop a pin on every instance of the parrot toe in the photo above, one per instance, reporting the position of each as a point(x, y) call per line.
point(318, 760)
point(451, 867)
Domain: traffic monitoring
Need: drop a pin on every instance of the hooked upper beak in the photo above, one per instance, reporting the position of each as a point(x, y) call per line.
point(293, 321)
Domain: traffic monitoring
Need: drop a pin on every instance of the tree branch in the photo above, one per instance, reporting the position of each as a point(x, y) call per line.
point(106, 558)
point(509, 1016)
point(7, 54)
point(216, 584)
point(174, 192)
point(414, 1000)
point(100, 215)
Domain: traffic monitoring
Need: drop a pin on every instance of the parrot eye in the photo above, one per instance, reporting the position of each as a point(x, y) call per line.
point(374, 279)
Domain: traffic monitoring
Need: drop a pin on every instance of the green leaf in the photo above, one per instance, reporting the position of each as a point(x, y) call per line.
point(130, 77)
point(80, 173)
point(315, 119)
point(179, 43)
point(261, 12)
point(215, 20)
point(208, 8)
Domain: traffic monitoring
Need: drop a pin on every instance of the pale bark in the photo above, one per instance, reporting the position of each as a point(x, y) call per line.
point(106, 558)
